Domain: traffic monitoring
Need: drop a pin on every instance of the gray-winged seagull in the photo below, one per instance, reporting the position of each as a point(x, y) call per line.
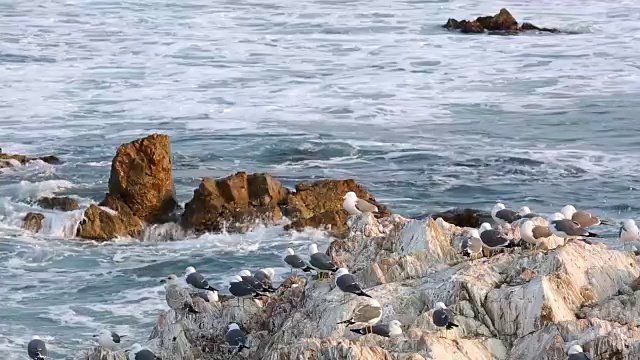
point(564, 228)
point(37, 349)
point(295, 262)
point(355, 206)
point(368, 314)
point(493, 239)
point(265, 277)
point(236, 338)
point(526, 213)
point(576, 353)
point(629, 232)
point(534, 234)
point(137, 352)
point(241, 290)
point(583, 218)
point(393, 329)
point(248, 279)
point(443, 317)
point(347, 283)
point(501, 215)
point(197, 280)
point(321, 262)
point(108, 339)
point(471, 245)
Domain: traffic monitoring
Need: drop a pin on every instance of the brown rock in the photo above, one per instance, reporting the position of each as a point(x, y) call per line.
point(529, 26)
point(63, 203)
point(102, 225)
point(33, 221)
point(234, 201)
point(464, 217)
point(470, 27)
point(142, 179)
point(500, 22)
point(23, 159)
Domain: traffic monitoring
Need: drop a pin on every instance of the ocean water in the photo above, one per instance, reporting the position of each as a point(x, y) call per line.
point(375, 90)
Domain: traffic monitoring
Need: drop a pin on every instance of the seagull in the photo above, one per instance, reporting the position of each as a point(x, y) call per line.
point(393, 329)
point(368, 313)
point(197, 280)
point(442, 317)
point(576, 353)
point(534, 234)
point(295, 262)
point(566, 229)
point(493, 239)
point(178, 298)
point(583, 218)
point(241, 290)
point(321, 262)
point(138, 353)
point(501, 215)
point(526, 213)
point(355, 206)
point(471, 245)
point(249, 280)
point(37, 349)
point(108, 339)
point(347, 283)
point(208, 296)
point(236, 337)
point(265, 277)
point(629, 232)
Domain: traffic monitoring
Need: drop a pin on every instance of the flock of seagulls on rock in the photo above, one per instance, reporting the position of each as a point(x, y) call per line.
point(567, 224)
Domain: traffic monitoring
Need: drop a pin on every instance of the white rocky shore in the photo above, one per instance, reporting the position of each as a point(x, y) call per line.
point(520, 304)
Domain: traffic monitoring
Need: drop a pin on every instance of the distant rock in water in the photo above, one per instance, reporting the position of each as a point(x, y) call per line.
point(33, 221)
point(62, 203)
point(502, 22)
point(9, 160)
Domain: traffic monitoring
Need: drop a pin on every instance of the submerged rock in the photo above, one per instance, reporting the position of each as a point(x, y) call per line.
point(11, 160)
point(102, 224)
point(33, 221)
point(514, 305)
point(502, 22)
point(62, 203)
point(235, 203)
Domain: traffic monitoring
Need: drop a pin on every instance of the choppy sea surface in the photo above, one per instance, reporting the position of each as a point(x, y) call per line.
point(375, 90)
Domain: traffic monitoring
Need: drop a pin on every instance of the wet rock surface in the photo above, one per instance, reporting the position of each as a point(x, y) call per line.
point(502, 22)
point(62, 203)
point(33, 221)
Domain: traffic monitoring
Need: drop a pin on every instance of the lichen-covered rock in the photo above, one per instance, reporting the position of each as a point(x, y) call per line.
point(234, 203)
point(502, 22)
point(142, 178)
point(319, 204)
point(102, 224)
point(33, 221)
point(62, 203)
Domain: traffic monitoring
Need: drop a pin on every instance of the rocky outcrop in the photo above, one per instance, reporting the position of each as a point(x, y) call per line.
point(319, 204)
point(62, 203)
point(235, 203)
point(141, 191)
point(464, 217)
point(502, 22)
point(33, 221)
point(142, 178)
point(11, 160)
point(513, 305)
point(104, 223)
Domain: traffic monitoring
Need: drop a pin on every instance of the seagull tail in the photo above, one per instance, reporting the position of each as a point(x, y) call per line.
point(306, 269)
point(242, 346)
point(360, 331)
point(348, 322)
point(466, 253)
point(451, 325)
point(191, 309)
point(362, 293)
point(605, 222)
point(259, 294)
point(509, 245)
point(592, 234)
point(211, 288)
point(334, 269)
